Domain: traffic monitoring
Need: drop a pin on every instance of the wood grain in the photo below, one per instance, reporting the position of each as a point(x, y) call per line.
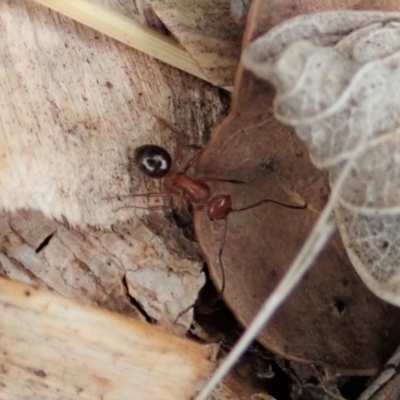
point(62, 350)
point(70, 125)
point(109, 22)
point(74, 104)
point(207, 32)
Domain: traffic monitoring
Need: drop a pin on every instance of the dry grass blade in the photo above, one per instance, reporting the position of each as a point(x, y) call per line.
point(127, 31)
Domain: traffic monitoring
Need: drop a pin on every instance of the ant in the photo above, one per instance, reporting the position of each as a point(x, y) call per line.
point(156, 163)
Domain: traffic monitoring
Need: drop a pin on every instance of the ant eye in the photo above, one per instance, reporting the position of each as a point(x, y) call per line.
point(152, 160)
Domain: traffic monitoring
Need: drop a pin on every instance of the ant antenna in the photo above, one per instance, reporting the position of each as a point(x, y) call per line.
point(222, 245)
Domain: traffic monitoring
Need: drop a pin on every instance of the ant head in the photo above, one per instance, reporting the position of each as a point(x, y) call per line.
point(153, 161)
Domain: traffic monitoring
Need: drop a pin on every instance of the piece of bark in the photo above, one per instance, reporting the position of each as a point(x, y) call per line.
point(74, 106)
point(126, 30)
point(208, 32)
point(108, 269)
point(52, 348)
point(327, 321)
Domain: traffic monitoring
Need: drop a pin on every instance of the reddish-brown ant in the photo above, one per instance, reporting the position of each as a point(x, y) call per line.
point(156, 162)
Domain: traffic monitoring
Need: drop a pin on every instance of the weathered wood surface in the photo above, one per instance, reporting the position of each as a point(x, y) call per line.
point(74, 105)
point(208, 32)
point(126, 30)
point(62, 350)
point(107, 269)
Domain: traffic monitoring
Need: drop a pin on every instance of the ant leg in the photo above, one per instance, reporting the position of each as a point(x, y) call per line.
point(192, 160)
point(212, 179)
point(166, 124)
point(173, 129)
point(147, 195)
point(178, 151)
point(184, 203)
point(168, 183)
point(151, 194)
point(221, 291)
point(221, 249)
point(183, 312)
point(223, 241)
point(149, 208)
point(302, 207)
